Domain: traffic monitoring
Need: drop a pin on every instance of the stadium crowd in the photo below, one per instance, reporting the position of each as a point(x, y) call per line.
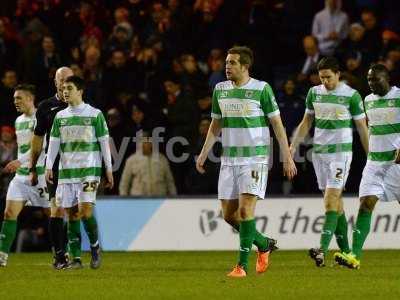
point(153, 64)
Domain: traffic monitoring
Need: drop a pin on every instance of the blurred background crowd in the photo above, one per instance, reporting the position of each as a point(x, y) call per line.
point(154, 63)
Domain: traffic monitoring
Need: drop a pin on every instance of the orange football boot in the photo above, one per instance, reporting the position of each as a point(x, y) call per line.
point(237, 271)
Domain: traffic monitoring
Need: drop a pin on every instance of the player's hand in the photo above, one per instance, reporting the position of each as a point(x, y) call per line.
point(289, 168)
point(109, 180)
point(397, 159)
point(200, 163)
point(12, 166)
point(49, 176)
point(34, 178)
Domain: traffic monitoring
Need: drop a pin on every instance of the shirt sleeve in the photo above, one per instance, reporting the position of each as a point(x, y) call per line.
point(54, 144)
point(55, 129)
point(101, 126)
point(357, 106)
point(268, 102)
point(309, 102)
point(215, 109)
point(41, 121)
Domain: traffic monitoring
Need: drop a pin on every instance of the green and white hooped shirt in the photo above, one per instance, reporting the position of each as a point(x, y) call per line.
point(334, 111)
point(77, 134)
point(244, 112)
point(383, 114)
point(24, 126)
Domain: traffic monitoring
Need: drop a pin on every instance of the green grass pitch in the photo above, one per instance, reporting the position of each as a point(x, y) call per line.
point(200, 275)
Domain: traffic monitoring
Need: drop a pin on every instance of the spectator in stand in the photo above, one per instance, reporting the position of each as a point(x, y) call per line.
point(137, 124)
point(204, 103)
point(147, 173)
point(291, 104)
point(119, 40)
point(330, 26)
point(313, 56)
point(8, 48)
point(355, 42)
point(217, 67)
point(44, 68)
point(116, 129)
point(8, 113)
point(117, 77)
point(193, 80)
point(203, 184)
point(373, 36)
point(8, 152)
point(179, 112)
point(390, 39)
point(33, 234)
point(92, 73)
point(355, 75)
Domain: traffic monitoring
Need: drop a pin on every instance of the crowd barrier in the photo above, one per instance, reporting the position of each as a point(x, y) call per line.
point(197, 224)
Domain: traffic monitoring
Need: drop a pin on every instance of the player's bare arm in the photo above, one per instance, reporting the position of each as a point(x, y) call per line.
point(289, 167)
point(213, 133)
point(36, 149)
point(362, 129)
point(301, 132)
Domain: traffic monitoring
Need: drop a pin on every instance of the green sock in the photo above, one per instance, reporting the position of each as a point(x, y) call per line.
point(341, 234)
point(246, 234)
point(90, 225)
point(74, 238)
point(7, 235)
point(331, 219)
point(361, 231)
point(260, 241)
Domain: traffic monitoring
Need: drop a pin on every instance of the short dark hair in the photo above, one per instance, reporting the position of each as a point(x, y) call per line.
point(30, 88)
point(380, 68)
point(328, 63)
point(77, 81)
point(246, 56)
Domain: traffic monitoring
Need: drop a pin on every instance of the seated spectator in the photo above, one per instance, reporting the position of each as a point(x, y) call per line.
point(147, 173)
point(330, 26)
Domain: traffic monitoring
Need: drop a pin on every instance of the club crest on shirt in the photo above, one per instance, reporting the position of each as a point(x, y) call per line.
point(63, 122)
point(341, 100)
point(87, 121)
point(248, 94)
point(224, 94)
point(318, 98)
point(391, 103)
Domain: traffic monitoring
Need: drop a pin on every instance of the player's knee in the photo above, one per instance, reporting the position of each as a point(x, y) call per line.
point(245, 212)
point(9, 214)
point(57, 212)
point(367, 204)
point(86, 213)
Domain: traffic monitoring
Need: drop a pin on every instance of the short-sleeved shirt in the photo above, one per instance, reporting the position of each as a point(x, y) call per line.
point(334, 111)
point(79, 130)
point(244, 114)
point(45, 114)
point(383, 114)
